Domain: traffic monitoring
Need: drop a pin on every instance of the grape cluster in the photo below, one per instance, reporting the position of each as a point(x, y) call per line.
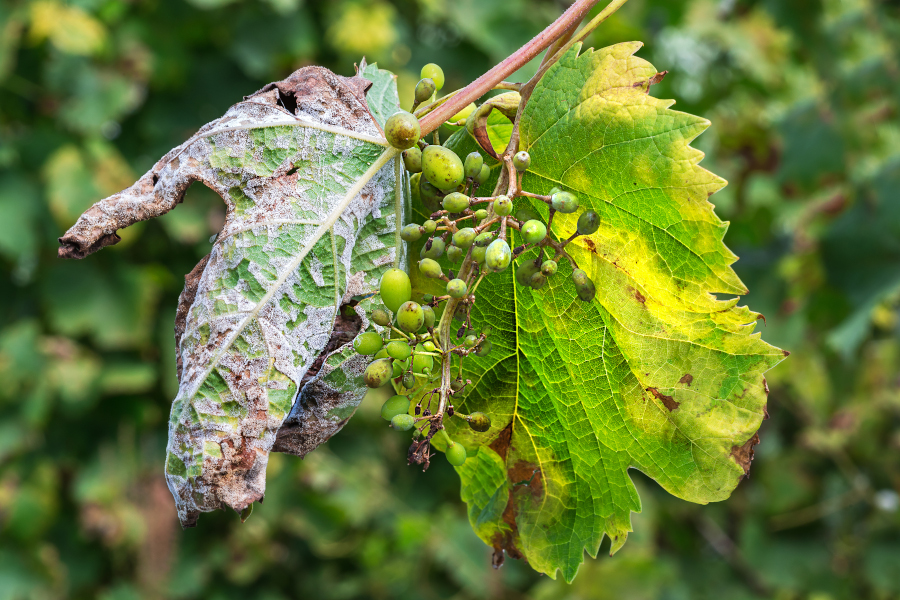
point(472, 232)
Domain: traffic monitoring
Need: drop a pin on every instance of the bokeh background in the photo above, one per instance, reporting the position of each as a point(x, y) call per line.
point(804, 98)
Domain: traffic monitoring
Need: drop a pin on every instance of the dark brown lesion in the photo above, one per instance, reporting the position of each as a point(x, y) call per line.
point(185, 301)
point(668, 401)
point(743, 454)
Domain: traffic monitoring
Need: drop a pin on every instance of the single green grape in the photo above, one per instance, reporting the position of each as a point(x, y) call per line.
point(484, 348)
point(537, 280)
point(457, 384)
point(381, 354)
point(368, 343)
point(564, 202)
point(484, 238)
point(381, 317)
point(454, 254)
point(456, 454)
point(533, 231)
point(480, 214)
point(422, 362)
point(548, 268)
point(393, 406)
point(464, 237)
point(429, 346)
point(410, 316)
point(483, 175)
point(433, 72)
point(464, 113)
point(436, 250)
point(430, 268)
point(429, 226)
point(424, 89)
point(378, 373)
point(498, 256)
point(409, 381)
point(455, 202)
point(402, 130)
point(588, 223)
point(395, 289)
point(414, 188)
point(427, 298)
point(584, 287)
point(400, 367)
point(521, 161)
point(429, 195)
point(399, 349)
point(442, 167)
point(429, 317)
point(457, 288)
point(526, 214)
point(403, 422)
point(503, 206)
point(473, 164)
point(411, 233)
point(478, 254)
point(479, 422)
point(412, 158)
point(525, 271)
point(554, 190)
point(470, 341)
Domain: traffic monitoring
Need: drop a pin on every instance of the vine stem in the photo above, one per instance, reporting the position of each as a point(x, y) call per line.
point(574, 15)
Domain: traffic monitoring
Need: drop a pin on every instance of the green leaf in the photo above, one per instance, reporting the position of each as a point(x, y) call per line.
point(382, 97)
point(655, 374)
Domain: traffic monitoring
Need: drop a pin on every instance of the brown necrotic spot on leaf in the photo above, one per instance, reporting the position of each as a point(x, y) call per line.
point(668, 401)
point(686, 379)
point(743, 454)
point(185, 300)
point(500, 445)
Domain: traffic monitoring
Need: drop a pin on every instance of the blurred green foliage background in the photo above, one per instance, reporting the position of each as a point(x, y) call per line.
point(804, 98)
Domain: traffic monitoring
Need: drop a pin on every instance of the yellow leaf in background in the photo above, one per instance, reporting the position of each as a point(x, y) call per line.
point(364, 30)
point(69, 28)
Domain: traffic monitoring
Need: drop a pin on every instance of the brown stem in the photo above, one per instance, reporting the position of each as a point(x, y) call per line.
point(510, 65)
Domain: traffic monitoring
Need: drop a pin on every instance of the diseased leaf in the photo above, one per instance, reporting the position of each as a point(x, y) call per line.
point(655, 374)
point(313, 199)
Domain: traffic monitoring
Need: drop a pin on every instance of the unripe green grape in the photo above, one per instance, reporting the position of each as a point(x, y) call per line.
point(381, 354)
point(433, 72)
point(381, 317)
point(526, 214)
point(473, 164)
point(464, 113)
point(470, 341)
point(427, 298)
point(457, 288)
point(588, 222)
point(395, 289)
point(424, 89)
point(464, 237)
point(436, 250)
point(429, 195)
point(429, 226)
point(403, 422)
point(411, 233)
point(483, 175)
point(442, 167)
point(455, 202)
point(584, 287)
point(429, 346)
point(409, 380)
point(525, 271)
point(554, 190)
point(415, 194)
point(478, 254)
point(533, 231)
point(484, 348)
point(422, 362)
point(412, 158)
point(410, 316)
point(368, 343)
point(454, 254)
point(456, 454)
point(402, 130)
point(503, 206)
point(479, 422)
point(480, 214)
point(537, 281)
point(484, 238)
point(498, 256)
point(549, 268)
point(393, 406)
point(400, 367)
point(378, 373)
point(430, 268)
point(521, 161)
point(429, 317)
point(399, 349)
point(564, 202)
